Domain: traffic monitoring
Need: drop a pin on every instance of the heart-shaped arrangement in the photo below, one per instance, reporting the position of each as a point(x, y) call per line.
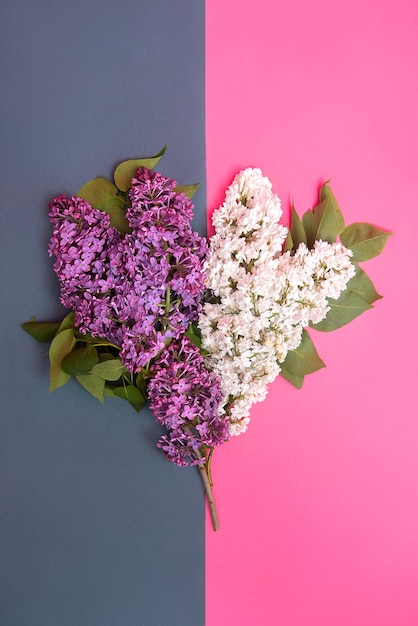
point(197, 328)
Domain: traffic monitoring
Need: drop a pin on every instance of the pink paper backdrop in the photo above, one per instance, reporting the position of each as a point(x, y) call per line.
point(319, 499)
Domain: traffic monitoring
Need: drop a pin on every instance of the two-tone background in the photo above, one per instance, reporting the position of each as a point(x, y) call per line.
point(318, 501)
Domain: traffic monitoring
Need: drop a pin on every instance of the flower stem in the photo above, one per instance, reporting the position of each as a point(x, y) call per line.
point(208, 462)
point(167, 299)
point(209, 496)
point(204, 471)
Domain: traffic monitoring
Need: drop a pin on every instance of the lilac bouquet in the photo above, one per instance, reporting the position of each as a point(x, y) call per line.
point(199, 329)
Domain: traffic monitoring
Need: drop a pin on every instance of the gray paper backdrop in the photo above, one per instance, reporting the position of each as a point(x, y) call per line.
point(96, 528)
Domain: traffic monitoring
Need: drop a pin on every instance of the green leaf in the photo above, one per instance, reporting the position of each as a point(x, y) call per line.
point(96, 191)
point(141, 383)
point(126, 170)
point(288, 244)
point(106, 356)
point(93, 384)
point(363, 286)
point(354, 301)
point(325, 221)
point(46, 331)
point(61, 345)
point(304, 359)
point(110, 204)
point(132, 395)
point(115, 207)
point(80, 361)
point(344, 310)
point(194, 338)
point(110, 369)
point(297, 231)
point(67, 322)
point(365, 240)
point(194, 335)
point(188, 190)
point(41, 331)
point(293, 379)
point(102, 194)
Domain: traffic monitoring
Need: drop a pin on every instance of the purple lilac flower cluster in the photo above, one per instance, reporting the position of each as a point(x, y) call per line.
point(185, 398)
point(163, 261)
point(139, 290)
point(82, 243)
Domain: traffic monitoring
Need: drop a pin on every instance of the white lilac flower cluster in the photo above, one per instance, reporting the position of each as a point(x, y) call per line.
point(261, 297)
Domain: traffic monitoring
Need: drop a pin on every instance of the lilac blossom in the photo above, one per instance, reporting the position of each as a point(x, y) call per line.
point(140, 290)
point(81, 243)
point(185, 397)
point(263, 296)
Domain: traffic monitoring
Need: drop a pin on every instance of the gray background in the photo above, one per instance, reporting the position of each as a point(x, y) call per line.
point(96, 527)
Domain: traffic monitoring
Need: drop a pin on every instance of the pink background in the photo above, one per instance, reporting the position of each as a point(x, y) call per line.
point(319, 499)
